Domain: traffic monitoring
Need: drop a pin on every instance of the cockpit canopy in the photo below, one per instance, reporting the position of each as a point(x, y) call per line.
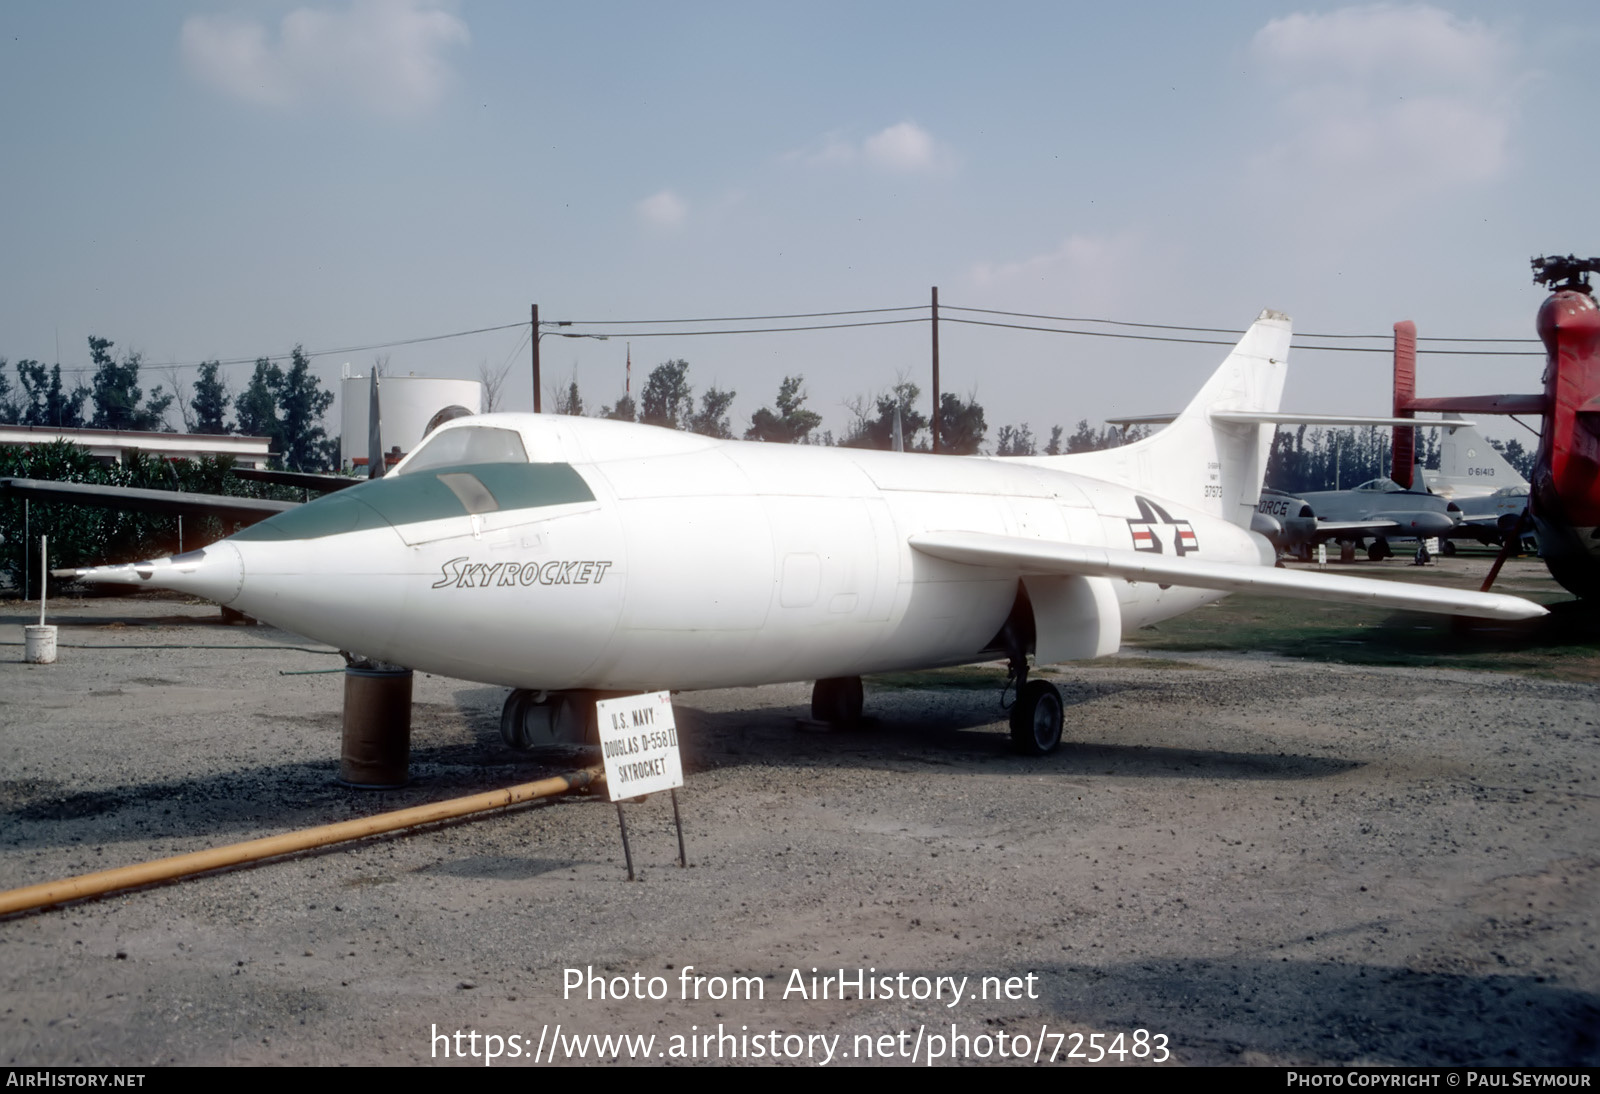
point(471, 444)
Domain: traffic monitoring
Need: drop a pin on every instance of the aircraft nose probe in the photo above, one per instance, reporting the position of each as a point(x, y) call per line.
point(215, 572)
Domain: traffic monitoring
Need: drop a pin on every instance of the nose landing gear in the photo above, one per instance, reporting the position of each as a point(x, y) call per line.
point(533, 719)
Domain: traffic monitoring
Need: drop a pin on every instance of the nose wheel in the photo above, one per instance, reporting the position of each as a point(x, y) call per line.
point(536, 719)
point(1036, 719)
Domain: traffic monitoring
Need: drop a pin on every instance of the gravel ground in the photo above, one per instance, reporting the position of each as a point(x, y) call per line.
point(1258, 860)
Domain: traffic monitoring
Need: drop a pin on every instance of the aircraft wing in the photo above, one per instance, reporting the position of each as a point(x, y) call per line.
point(1034, 556)
point(170, 502)
point(303, 480)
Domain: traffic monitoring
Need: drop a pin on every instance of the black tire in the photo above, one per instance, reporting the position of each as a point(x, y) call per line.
point(838, 701)
point(1448, 547)
point(1379, 550)
point(512, 719)
point(526, 723)
point(1036, 719)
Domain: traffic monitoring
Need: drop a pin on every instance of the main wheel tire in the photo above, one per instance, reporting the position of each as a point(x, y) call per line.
point(526, 723)
point(1379, 550)
point(837, 701)
point(1036, 719)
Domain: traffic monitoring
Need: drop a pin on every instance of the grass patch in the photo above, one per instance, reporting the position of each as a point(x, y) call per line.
point(968, 677)
point(991, 678)
point(1140, 663)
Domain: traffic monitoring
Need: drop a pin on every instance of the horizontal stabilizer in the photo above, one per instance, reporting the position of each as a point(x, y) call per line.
point(1285, 417)
point(168, 502)
point(1033, 556)
point(1144, 419)
point(1251, 417)
point(300, 480)
point(1480, 404)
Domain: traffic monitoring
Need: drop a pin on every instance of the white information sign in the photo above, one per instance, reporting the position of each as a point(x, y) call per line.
point(639, 740)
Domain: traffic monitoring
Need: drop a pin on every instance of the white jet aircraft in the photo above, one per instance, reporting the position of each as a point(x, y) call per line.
point(569, 558)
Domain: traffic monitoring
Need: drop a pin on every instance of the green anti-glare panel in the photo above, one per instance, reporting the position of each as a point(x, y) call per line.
point(412, 499)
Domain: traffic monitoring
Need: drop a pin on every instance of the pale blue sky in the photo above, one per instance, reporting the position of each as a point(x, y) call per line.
point(202, 180)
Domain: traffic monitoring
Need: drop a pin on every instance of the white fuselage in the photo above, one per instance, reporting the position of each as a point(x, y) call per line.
point(702, 563)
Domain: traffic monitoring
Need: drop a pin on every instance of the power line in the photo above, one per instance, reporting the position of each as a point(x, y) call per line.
point(1079, 319)
point(1214, 330)
point(758, 330)
point(1222, 342)
point(80, 370)
point(506, 365)
point(734, 318)
point(314, 353)
point(1099, 333)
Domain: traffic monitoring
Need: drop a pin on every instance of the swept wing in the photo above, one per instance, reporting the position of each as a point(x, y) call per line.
point(1032, 556)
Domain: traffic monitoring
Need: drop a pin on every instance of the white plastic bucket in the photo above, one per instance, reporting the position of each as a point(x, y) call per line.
point(39, 644)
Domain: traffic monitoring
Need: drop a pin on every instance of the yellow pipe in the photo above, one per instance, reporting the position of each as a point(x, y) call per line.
point(236, 854)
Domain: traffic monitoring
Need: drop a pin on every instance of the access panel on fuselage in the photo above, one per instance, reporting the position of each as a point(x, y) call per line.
point(838, 562)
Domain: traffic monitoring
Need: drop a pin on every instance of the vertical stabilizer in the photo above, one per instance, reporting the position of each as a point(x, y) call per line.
point(1469, 466)
point(1200, 460)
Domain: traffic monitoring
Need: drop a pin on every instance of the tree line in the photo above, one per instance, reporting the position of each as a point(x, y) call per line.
point(667, 399)
point(1305, 460)
point(284, 405)
point(88, 536)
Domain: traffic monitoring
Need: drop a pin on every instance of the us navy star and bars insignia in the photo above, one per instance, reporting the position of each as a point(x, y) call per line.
point(1152, 516)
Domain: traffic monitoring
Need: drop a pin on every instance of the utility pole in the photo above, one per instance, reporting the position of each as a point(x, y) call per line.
point(935, 415)
point(534, 341)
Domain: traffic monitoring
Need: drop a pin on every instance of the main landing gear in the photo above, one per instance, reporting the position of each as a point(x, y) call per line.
point(1038, 713)
point(1036, 719)
point(531, 719)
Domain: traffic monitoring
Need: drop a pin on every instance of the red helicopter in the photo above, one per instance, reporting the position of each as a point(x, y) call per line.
point(1564, 489)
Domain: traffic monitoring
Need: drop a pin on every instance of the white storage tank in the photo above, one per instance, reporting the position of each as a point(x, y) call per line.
point(407, 405)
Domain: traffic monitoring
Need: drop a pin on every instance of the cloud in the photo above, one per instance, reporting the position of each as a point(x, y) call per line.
point(1381, 41)
point(384, 56)
point(1383, 105)
point(905, 147)
point(665, 210)
point(1093, 275)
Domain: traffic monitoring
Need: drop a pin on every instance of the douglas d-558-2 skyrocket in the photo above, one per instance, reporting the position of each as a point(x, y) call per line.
point(570, 558)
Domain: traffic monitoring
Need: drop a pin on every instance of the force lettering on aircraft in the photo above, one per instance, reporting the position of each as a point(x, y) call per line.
point(463, 573)
point(1151, 516)
point(1274, 507)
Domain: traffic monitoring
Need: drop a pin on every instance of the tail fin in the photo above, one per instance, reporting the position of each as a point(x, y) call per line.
point(1469, 465)
point(1214, 455)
